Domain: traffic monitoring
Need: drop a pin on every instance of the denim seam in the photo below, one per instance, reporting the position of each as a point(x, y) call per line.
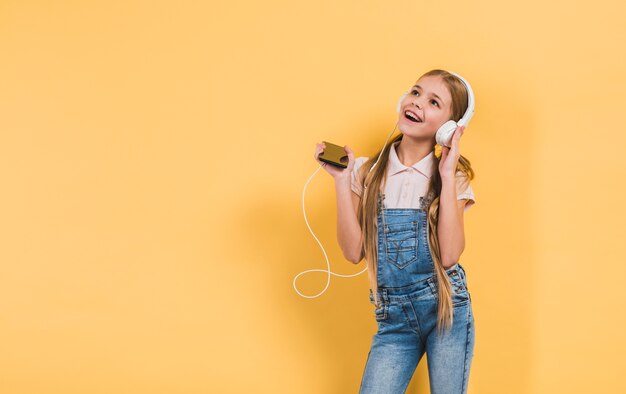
point(418, 329)
point(465, 361)
point(430, 255)
point(409, 285)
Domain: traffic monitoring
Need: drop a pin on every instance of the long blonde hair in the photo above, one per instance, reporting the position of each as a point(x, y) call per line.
point(368, 210)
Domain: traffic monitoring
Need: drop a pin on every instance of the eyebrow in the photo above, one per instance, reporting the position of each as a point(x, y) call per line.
point(418, 86)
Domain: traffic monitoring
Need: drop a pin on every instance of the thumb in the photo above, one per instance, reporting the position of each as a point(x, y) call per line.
point(350, 154)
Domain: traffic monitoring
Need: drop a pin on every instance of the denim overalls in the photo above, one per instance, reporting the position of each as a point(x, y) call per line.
point(407, 313)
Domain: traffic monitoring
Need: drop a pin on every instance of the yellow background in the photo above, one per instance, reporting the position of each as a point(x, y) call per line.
point(153, 156)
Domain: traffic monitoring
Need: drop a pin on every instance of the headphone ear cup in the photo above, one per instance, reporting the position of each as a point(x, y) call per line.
point(445, 133)
point(400, 102)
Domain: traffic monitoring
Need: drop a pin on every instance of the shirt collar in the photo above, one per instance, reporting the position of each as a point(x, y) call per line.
point(424, 166)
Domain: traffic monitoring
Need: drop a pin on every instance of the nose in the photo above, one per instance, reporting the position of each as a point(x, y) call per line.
point(416, 101)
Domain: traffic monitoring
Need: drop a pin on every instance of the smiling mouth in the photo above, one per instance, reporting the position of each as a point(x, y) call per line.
point(411, 118)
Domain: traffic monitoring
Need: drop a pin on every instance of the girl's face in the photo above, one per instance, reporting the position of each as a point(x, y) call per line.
point(430, 100)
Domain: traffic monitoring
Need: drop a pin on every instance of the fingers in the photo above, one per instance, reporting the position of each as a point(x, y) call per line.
point(456, 138)
point(459, 132)
point(350, 153)
point(319, 148)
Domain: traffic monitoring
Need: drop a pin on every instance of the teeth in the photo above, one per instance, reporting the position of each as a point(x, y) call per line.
point(412, 116)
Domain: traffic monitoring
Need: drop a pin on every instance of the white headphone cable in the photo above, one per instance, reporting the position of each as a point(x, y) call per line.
point(325, 255)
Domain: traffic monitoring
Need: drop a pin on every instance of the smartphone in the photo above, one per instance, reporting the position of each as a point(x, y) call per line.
point(335, 155)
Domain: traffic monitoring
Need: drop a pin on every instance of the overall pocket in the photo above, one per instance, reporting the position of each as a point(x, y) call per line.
point(401, 243)
point(460, 293)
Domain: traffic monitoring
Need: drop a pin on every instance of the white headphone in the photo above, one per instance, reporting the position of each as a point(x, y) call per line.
point(443, 137)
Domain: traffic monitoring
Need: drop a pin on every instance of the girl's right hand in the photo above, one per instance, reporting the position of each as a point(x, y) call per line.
point(334, 171)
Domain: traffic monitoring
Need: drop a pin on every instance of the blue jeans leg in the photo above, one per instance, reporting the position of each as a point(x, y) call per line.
point(394, 354)
point(450, 355)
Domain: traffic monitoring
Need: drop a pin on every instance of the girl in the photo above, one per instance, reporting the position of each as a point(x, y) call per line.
point(406, 219)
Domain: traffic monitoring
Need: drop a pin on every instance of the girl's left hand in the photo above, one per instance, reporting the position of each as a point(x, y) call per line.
point(450, 156)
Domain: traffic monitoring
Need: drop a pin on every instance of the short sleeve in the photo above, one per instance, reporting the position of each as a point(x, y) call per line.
point(356, 184)
point(464, 190)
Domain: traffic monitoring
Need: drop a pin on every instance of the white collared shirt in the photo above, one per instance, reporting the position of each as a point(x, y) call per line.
point(405, 185)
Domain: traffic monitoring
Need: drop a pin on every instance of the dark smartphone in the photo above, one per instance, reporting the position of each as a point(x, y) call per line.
point(335, 155)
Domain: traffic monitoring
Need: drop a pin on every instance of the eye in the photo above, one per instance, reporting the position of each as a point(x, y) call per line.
point(432, 101)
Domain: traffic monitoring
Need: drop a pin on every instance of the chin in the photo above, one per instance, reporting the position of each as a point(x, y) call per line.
point(416, 133)
point(407, 129)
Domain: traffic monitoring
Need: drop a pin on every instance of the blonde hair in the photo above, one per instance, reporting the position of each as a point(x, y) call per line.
point(368, 210)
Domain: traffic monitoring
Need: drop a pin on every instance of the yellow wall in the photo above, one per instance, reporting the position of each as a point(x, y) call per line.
point(153, 156)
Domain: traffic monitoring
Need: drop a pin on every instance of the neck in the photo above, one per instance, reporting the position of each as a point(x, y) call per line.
point(410, 151)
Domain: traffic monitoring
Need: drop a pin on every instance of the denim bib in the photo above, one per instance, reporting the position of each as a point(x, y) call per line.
point(404, 255)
